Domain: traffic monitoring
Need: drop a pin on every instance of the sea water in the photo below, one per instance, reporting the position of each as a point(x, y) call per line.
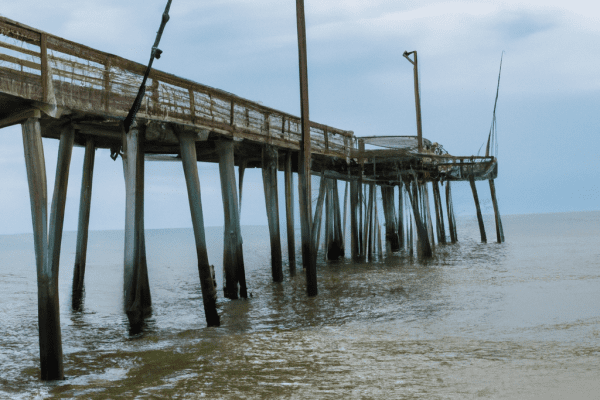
point(514, 320)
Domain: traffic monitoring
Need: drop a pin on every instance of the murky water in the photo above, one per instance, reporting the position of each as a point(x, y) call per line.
point(517, 320)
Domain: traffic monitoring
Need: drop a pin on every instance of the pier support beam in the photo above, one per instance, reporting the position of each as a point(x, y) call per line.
point(450, 210)
point(439, 213)
point(479, 216)
point(334, 242)
point(83, 225)
point(419, 220)
point(233, 256)
point(316, 224)
point(289, 213)
point(401, 238)
point(47, 242)
point(499, 230)
point(392, 242)
point(190, 168)
point(354, 227)
point(135, 283)
point(269, 173)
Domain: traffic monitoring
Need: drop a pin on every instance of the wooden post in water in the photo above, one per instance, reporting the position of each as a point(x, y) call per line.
point(344, 212)
point(428, 214)
point(335, 247)
point(316, 225)
point(499, 230)
point(269, 173)
point(304, 165)
point(401, 238)
point(233, 255)
point(479, 216)
point(361, 201)
point(187, 144)
point(450, 210)
point(135, 282)
point(439, 212)
point(354, 227)
point(83, 224)
point(289, 212)
point(241, 169)
point(392, 242)
point(338, 232)
point(51, 362)
point(419, 221)
point(369, 239)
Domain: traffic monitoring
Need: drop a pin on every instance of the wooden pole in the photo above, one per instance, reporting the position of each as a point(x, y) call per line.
point(57, 213)
point(419, 222)
point(354, 227)
point(428, 214)
point(51, 362)
point(499, 230)
point(401, 238)
point(316, 232)
point(289, 213)
point(241, 169)
point(190, 168)
point(344, 212)
point(304, 158)
point(392, 242)
point(233, 255)
point(439, 212)
point(417, 97)
point(328, 219)
point(135, 282)
point(361, 200)
point(371, 225)
point(269, 172)
point(83, 224)
point(450, 210)
point(337, 221)
point(479, 216)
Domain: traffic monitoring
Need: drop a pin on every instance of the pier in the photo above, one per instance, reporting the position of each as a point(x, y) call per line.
point(55, 88)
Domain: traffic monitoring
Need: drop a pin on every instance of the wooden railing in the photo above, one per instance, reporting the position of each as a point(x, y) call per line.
point(38, 66)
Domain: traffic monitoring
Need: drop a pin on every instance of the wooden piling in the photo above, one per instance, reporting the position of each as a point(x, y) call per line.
point(289, 213)
point(450, 211)
point(241, 170)
point(344, 213)
point(427, 209)
point(190, 168)
point(316, 225)
point(369, 231)
point(135, 282)
point(499, 229)
point(479, 216)
point(392, 241)
point(354, 227)
point(51, 362)
point(423, 236)
point(83, 224)
point(439, 213)
point(269, 173)
point(335, 248)
point(401, 238)
point(233, 255)
point(57, 214)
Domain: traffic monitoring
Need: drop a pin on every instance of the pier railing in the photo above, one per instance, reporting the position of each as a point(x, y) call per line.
point(38, 66)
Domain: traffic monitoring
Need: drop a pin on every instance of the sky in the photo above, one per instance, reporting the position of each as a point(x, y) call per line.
point(547, 116)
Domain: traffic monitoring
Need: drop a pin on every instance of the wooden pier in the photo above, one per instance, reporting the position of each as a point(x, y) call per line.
point(63, 90)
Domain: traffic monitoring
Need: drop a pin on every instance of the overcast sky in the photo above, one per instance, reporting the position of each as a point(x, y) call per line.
point(547, 117)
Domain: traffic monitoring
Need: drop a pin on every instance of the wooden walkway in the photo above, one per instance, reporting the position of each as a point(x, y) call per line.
point(60, 89)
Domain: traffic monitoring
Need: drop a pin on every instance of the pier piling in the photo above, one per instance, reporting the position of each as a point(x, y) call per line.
point(269, 173)
point(83, 225)
point(499, 229)
point(233, 255)
point(450, 211)
point(479, 216)
point(190, 169)
point(439, 212)
point(423, 237)
point(289, 213)
point(392, 241)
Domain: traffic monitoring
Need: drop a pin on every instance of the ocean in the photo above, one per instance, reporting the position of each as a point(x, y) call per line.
point(518, 320)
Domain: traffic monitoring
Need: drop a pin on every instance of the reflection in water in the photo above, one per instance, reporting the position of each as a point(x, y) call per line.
point(479, 320)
